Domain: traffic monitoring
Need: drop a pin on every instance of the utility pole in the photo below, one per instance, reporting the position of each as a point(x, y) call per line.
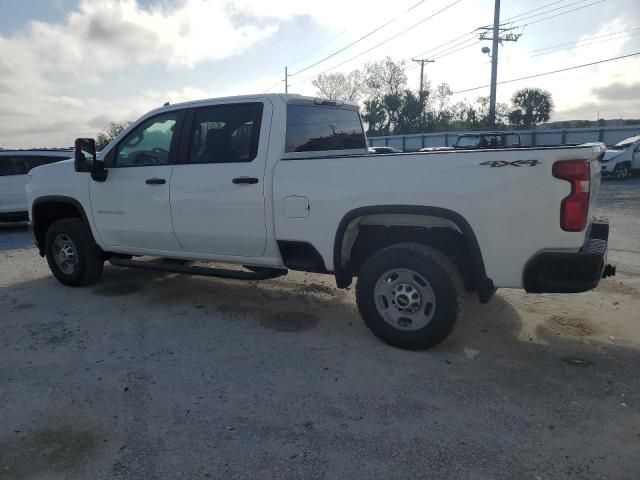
point(286, 80)
point(497, 40)
point(494, 64)
point(422, 61)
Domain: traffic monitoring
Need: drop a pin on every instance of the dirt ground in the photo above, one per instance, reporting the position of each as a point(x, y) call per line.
point(150, 375)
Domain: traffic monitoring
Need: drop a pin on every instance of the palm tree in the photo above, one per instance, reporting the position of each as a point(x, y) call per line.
point(531, 106)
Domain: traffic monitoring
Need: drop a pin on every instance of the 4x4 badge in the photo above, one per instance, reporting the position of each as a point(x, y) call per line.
point(504, 163)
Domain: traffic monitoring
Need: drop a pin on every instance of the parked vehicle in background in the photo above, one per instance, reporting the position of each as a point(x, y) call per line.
point(275, 182)
point(14, 167)
point(384, 150)
point(622, 159)
point(480, 140)
point(487, 140)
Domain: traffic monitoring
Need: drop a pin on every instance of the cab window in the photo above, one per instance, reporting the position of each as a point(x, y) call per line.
point(226, 133)
point(319, 128)
point(149, 143)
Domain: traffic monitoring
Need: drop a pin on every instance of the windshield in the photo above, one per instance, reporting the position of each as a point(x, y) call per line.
point(624, 144)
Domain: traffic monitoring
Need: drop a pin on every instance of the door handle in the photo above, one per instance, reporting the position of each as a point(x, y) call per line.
point(245, 181)
point(155, 181)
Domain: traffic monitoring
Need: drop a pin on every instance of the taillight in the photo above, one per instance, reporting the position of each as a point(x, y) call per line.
point(574, 208)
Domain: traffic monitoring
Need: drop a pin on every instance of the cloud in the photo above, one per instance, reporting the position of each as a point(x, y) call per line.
point(618, 92)
point(107, 34)
point(97, 40)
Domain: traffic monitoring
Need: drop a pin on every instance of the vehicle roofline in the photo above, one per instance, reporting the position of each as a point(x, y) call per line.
point(281, 97)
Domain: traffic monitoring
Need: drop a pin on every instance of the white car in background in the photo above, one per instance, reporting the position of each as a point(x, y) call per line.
point(622, 159)
point(14, 167)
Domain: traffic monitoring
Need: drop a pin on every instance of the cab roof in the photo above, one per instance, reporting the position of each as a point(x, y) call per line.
point(286, 98)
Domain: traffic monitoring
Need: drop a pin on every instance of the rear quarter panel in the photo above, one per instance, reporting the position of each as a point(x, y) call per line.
point(514, 210)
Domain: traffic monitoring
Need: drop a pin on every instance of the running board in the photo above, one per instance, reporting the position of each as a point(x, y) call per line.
point(179, 266)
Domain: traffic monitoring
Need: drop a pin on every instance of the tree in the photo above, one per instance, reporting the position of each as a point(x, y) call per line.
point(112, 131)
point(384, 78)
point(383, 86)
point(374, 116)
point(414, 116)
point(530, 107)
point(339, 86)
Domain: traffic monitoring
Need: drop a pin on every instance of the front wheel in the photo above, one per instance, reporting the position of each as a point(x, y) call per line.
point(621, 171)
point(72, 254)
point(410, 295)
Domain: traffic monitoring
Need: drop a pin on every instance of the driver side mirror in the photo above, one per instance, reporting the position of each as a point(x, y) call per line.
point(86, 161)
point(85, 155)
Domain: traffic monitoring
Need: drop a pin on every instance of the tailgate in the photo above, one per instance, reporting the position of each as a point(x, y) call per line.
point(596, 175)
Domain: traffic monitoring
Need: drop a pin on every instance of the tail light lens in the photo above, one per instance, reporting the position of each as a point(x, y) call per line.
point(574, 209)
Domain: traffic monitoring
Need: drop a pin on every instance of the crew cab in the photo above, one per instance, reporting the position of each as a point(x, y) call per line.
point(623, 159)
point(278, 182)
point(14, 167)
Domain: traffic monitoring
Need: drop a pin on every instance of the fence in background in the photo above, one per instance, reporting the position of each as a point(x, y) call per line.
point(542, 136)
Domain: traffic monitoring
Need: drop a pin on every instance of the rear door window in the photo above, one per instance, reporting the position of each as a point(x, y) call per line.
point(226, 133)
point(318, 128)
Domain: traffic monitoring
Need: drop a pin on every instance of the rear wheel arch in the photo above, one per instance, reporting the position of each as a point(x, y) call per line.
point(348, 231)
point(48, 209)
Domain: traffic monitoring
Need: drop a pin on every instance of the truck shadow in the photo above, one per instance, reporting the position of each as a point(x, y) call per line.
point(294, 303)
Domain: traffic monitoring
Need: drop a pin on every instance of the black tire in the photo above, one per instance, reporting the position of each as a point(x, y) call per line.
point(622, 171)
point(90, 260)
point(443, 279)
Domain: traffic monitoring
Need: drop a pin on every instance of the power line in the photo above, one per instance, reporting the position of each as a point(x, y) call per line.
point(527, 17)
point(360, 39)
point(602, 40)
point(455, 47)
point(472, 32)
point(583, 40)
point(393, 37)
point(319, 47)
point(534, 10)
point(274, 85)
point(551, 72)
point(558, 14)
point(451, 50)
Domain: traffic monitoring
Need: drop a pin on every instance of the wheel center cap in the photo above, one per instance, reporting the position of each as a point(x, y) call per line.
point(402, 300)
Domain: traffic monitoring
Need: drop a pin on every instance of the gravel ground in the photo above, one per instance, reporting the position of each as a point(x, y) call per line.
point(149, 375)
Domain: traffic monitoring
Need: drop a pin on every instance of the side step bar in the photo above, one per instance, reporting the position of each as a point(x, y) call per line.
point(179, 266)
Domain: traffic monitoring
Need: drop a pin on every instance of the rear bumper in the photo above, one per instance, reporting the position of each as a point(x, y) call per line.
point(571, 272)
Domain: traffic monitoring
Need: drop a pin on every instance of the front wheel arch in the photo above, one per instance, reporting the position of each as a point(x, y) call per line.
point(48, 209)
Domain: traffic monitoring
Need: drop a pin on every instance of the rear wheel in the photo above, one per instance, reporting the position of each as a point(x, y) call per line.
point(410, 295)
point(72, 254)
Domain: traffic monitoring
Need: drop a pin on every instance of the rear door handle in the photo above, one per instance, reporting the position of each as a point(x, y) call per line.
point(245, 181)
point(155, 181)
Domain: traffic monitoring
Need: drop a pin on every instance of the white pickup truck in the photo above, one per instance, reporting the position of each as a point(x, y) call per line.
point(277, 182)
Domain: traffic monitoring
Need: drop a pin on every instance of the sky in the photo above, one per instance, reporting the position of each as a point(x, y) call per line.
point(69, 67)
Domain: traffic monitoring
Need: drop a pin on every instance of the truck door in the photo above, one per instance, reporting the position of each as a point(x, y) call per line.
point(131, 207)
point(13, 176)
point(217, 187)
